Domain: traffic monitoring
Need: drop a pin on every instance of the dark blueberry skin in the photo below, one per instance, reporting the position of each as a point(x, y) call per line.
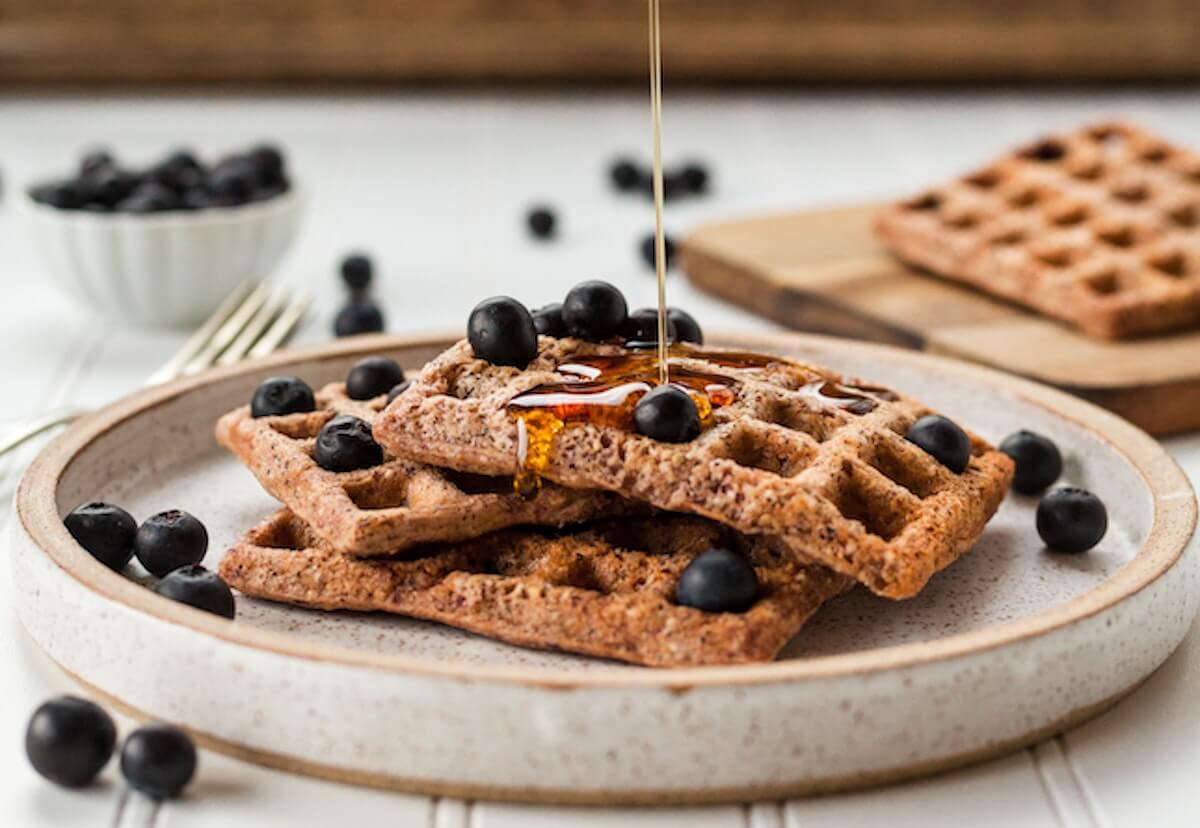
point(69, 740)
point(541, 222)
point(594, 311)
point(687, 329)
point(718, 580)
point(647, 250)
point(641, 328)
point(65, 195)
point(357, 270)
point(170, 540)
point(548, 320)
point(233, 180)
point(282, 395)
point(346, 444)
point(197, 587)
point(667, 414)
point(694, 177)
point(95, 160)
point(108, 186)
point(373, 376)
point(269, 161)
point(148, 197)
point(1071, 520)
point(105, 531)
point(159, 760)
point(625, 175)
point(1038, 461)
point(197, 199)
point(359, 316)
point(397, 390)
point(944, 440)
point(501, 330)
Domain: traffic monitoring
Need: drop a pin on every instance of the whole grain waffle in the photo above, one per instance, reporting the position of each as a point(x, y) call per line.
point(604, 590)
point(394, 505)
point(799, 453)
point(1097, 227)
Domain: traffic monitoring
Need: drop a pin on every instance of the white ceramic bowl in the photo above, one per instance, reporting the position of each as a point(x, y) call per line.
point(162, 269)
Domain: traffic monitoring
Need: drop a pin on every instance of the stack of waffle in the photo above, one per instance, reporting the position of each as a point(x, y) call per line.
point(806, 475)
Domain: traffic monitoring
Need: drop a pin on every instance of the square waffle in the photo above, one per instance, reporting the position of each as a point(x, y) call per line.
point(1099, 228)
point(394, 505)
point(797, 452)
point(604, 590)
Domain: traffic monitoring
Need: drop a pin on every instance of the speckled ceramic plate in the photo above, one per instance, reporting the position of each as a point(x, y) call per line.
point(1005, 647)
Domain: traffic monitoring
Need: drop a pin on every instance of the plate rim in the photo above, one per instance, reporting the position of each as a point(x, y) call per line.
point(1173, 523)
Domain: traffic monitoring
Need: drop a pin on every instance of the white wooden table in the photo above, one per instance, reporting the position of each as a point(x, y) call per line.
point(435, 187)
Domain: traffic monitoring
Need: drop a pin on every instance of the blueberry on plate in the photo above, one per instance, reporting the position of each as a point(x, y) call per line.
point(357, 270)
point(541, 222)
point(595, 311)
point(1038, 462)
point(694, 177)
point(648, 254)
point(501, 330)
point(625, 175)
point(282, 395)
point(346, 444)
point(397, 390)
point(943, 439)
point(69, 740)
point(159, 760)
point(718, 580)
point(667, 414)
point(641, 328)
point(359, 316)
point(548, 320)
point(372, 376)
point(687, 329)
point(170, 540)
point(1071, 520)
point(197, 587)
point(105, 531)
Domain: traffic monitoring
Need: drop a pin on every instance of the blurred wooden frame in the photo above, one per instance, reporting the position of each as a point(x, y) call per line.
point(188, 41)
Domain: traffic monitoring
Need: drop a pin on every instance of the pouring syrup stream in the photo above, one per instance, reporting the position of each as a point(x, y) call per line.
point(660, 264)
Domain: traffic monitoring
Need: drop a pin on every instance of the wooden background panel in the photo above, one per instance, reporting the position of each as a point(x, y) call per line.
point(149, 41)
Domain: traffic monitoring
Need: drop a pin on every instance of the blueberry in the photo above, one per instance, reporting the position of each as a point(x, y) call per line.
point(718, 580)
point(197, 198)
point(373, 376)
point(345, 444)
point(641, 328)
point(648, 252)
point(108, 185)
point(548, 320)
point(694, 177)
point(269, 161)
point(182, 159)
point(196, 586)
point(541, 221)
point(95, 160)
point(359, 316)
point(687, 329)
point(179, 172)
point(282, 395)
point(1037, 459)
point(148, 197)
point(159, 760)
point(673, 186)
point(595, 311)
point(357, 270)
point(105, 531)
point(943, 439)
point(667, 414)
point(170, 540)
point(397, 390)
point(65, 195)
point(1071, 520)
point(69, 740)
point(625, 175)
point(234, 179)
point(501, 330)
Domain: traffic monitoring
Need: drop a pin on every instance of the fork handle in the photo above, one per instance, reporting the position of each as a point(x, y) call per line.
point(25, 431)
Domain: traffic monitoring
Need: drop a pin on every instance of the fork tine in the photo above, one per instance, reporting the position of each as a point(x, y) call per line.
point(173, 367)
point(278, 333)
point(228, 331)
point(255, 328)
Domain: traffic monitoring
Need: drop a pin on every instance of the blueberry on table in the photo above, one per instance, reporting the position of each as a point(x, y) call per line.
point(359, 316)
point(65, 195)
point(397, 390)
point(687, 329)
point(541, 222)
point(197, 587)
point(548, 320)
point(372, 376)
point(346, 443)
point(625, 175)
point(105, 531)
point(943, 439)
point(357, 270)
point(641, 328)
point(648, 251)
point(1071, 520)
point(1038, 462)
point(282, 395)
point(170, 540)
point(69, 740)
point(159, 760)
point(667, 414)
point(595, 311)
point(694, 177)
point(718, 580)
point(501, 330)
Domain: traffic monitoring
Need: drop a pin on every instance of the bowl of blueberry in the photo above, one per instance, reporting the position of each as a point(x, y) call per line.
point(163, 245)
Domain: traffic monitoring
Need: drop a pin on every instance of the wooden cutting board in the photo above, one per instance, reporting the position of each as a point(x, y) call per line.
point(824, 271)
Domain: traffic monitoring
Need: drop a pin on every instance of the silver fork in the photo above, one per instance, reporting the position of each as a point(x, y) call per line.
point(252, 322)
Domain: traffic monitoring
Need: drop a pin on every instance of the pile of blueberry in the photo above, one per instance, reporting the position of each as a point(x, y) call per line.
point(180, 181)
point(69, 740)
point(170, 545)
point(360, 314)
